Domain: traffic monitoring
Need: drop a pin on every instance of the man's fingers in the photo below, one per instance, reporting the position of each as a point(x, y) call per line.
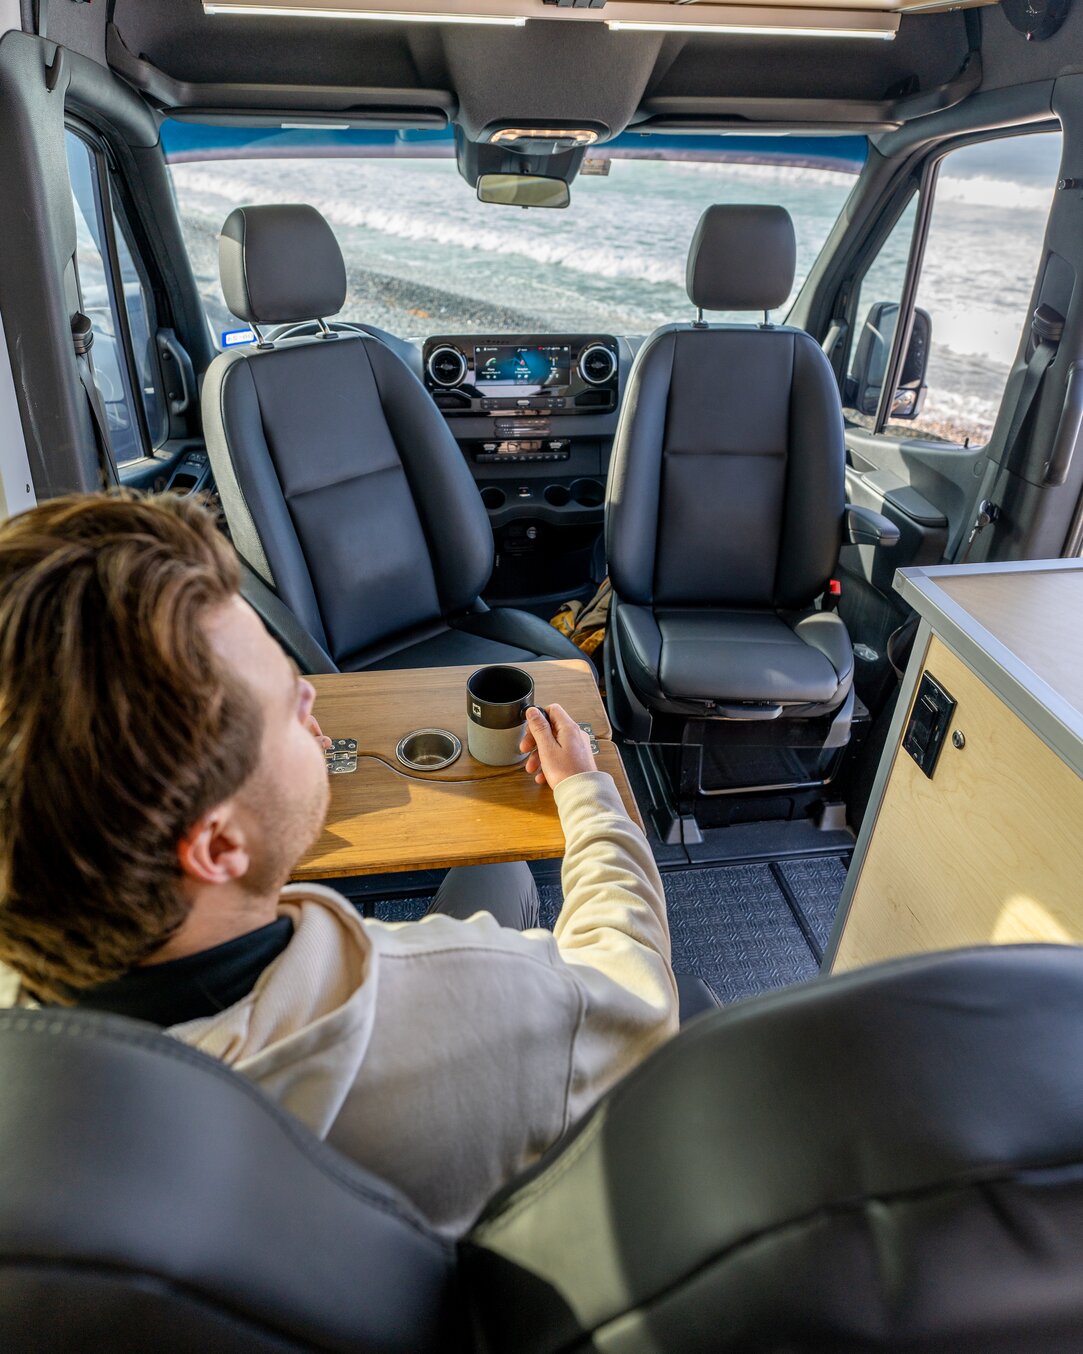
point(538, 725)
point(562, 722)
point(317, 733)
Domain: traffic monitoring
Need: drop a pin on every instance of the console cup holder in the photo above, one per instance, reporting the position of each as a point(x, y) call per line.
point(428, 749)
point(588, 493)
point(493, 497)
point(558, 495)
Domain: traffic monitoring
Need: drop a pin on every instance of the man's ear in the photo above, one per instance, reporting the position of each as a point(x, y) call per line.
point(215, 850)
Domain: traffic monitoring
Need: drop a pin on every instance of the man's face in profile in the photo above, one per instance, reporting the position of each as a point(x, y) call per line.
point(284, 802)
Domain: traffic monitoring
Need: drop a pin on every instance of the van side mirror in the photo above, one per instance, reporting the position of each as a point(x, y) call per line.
point(866, 378)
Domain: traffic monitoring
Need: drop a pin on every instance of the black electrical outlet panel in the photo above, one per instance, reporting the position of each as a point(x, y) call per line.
point(928, 725)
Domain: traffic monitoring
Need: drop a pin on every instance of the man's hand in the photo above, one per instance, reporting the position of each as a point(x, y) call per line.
point(317, 733)
point(558, 747)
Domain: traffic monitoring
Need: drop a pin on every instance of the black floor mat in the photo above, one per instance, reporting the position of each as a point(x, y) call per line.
point(734, 928)
point(744, 929)
point(813, 889)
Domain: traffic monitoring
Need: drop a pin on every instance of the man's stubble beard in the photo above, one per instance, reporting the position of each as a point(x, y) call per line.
point(288, 829)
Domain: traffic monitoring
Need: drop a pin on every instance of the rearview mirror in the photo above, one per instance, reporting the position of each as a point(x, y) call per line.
point(523, 190)
point(874, 345)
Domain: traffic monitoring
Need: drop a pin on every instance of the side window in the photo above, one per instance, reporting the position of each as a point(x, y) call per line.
point(876, 316)
point(126, 377)
point(982, 252)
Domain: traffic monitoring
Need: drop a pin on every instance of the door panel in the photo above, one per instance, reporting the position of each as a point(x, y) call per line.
point(942, 475)
point(154, 473)
point(923, 528)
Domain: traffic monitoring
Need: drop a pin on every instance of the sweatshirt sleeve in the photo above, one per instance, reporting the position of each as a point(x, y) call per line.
point(613, 934)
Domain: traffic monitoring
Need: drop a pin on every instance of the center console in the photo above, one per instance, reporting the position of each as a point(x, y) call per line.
point(534, 416)
point(524, 386)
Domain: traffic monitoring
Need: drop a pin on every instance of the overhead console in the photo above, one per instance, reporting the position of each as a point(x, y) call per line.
point(522, 375)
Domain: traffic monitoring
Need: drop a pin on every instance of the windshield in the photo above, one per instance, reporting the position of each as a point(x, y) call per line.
point(423, 256)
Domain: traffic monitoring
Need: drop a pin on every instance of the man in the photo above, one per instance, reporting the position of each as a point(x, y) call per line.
point(160, 774)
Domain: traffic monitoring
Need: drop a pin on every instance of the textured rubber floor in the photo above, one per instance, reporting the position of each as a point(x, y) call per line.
point(743, 928)
point(813, 888)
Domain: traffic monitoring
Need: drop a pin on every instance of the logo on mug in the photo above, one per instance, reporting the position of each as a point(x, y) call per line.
point(475, 709)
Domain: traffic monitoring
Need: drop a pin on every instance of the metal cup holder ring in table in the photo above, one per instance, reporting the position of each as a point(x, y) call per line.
point(428, 749)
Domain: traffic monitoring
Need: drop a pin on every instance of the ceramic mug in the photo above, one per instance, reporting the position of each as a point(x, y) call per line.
point(497, 698)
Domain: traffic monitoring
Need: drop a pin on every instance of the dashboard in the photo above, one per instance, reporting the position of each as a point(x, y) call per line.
point(523, 388)
point(534, 416)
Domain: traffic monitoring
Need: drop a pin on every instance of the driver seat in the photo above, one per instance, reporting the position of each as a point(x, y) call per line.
point(341, 484)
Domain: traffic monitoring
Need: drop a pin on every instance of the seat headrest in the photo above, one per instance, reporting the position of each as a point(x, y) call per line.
point(279, 264)
point(741, 258)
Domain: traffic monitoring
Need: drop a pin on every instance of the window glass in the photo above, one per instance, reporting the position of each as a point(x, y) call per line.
point(875, 317)
point(141, 326)
point(424, 256)
point(98, 301)
point(982, 255)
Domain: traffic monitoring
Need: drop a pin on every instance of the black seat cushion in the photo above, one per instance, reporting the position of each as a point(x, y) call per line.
point(501, 635)
point(888, 1160)
point(673, 657)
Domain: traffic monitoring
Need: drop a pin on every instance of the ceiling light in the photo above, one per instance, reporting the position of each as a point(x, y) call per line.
point(387, 15)
point(579, 136)
point(755, 30)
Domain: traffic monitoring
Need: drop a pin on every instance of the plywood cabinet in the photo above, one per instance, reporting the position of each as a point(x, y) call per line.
point(990, 848)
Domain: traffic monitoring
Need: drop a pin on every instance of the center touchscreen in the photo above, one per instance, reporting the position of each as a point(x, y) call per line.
point(547, 365)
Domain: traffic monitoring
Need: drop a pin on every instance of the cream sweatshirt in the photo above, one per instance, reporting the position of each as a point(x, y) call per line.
point(444, 1055)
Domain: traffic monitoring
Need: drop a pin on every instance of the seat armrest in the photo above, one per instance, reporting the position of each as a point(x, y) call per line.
point(865, 527)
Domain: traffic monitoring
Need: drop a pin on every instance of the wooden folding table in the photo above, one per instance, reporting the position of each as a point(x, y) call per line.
point(384, 817)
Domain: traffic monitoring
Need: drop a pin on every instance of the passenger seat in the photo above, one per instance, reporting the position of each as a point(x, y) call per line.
point(341, 483)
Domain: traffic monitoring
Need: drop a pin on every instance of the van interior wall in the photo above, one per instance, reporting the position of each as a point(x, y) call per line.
point(37, 226)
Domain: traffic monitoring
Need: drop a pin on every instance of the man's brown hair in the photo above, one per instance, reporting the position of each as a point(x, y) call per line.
point(119, 728)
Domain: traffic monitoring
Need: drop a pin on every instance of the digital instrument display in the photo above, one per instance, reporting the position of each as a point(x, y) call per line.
point(546, 365)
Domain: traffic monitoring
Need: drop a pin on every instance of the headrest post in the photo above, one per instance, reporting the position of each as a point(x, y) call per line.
point(325, 329)
point(261, 342)
point(699, 322)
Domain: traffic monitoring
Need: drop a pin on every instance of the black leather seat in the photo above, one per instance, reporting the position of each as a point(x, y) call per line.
point(152, 1199)
point(341, 483)
point(890, 1160)
point(725, 503)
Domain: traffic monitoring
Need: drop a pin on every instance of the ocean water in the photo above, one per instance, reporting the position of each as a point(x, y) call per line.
point(424, 256)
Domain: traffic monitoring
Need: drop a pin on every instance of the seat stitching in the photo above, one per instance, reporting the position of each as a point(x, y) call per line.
point(346, 479)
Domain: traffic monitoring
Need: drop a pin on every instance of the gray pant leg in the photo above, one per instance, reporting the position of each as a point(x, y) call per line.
point(507, 891)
